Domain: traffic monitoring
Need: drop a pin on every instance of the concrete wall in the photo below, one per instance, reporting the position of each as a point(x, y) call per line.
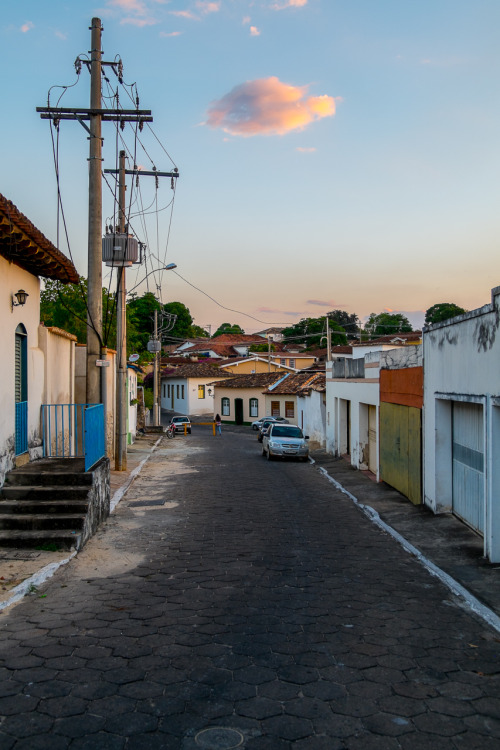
point(110, 381)
point(461, 364)
point(312, 418)
point(13, 278)
point(282, 398)
point(347, 411)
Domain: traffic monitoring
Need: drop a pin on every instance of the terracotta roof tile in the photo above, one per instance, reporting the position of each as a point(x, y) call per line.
point(254, 380)
point(23, 244)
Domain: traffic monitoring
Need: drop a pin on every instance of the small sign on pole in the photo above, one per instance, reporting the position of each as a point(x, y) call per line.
point(102, 362)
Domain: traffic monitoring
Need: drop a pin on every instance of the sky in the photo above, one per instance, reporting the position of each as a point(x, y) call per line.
point(331, 154)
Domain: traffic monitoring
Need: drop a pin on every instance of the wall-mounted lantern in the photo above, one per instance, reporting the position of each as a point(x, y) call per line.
point(21, 297)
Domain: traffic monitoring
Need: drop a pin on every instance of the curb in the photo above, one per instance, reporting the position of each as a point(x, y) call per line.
point(466, 599)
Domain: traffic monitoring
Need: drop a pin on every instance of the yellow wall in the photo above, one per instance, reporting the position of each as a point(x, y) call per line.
point(248, 367)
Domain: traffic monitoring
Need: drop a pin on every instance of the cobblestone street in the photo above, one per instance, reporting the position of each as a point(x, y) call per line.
point(234, 602)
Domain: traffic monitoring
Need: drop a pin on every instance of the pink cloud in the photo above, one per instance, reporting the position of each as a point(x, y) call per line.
point(184, 14)
point(267, 106)
point(139, 22)
point(306, 150)
point(131, 6)
point(167, 34)
point(27, 26)
point(289, 4)
point(205, 6)
point(254, 31)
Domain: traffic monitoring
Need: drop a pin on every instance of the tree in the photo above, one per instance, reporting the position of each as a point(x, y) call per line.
point(140, 315)
point(65, 306)
point(309, 331)
point(228, 328)
point(443, 311)
point(349, 321)
point(262, 348)
point(384, 323)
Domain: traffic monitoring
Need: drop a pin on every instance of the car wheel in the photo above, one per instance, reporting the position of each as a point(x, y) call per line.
point(269, 456)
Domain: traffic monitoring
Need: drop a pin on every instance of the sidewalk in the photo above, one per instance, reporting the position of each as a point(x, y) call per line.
point(443, 540)
point(23, 570)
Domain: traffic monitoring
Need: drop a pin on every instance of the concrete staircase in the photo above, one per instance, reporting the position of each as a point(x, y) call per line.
point(44, 504)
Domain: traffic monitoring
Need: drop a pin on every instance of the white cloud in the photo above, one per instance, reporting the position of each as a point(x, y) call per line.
point(27, 27)
point(289, 4)
point(167, 34)
point(306, 150)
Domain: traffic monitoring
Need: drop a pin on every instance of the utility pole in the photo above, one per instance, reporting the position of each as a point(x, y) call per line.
point(328, 341)
point(121, 336)
point(156, 421)
point(94, 314)
point(96, 115)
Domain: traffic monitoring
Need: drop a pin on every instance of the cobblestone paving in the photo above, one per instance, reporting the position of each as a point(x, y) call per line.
point(256, 608)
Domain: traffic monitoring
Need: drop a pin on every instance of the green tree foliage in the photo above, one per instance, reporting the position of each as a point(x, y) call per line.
point(384, 323)
point(183, 327)
point(140, 316)
point(228, 328)
point(65, 306)
point(198, 332)
point(443, 311)
point(309, 331)
point(349, 321)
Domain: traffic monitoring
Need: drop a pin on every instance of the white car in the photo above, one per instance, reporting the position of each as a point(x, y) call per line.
point(180, 422)
point(257, 424)
point(283, 440)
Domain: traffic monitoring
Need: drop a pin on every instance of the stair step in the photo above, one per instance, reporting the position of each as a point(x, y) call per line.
point(43, 506)
point(34, 522)
point(49, 491)
point(62, 539)
point(46, 471)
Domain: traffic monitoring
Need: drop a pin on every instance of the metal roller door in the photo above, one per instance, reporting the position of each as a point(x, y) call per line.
point(468, 463)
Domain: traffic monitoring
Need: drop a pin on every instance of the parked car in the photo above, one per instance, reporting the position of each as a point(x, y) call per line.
point(258, 422)
point(283, 440)
point(263, 428)
point(179, 423)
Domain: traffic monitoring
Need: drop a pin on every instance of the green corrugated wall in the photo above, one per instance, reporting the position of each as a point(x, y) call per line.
point(401, 449)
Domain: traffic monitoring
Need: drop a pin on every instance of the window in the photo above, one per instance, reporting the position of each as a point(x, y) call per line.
point(201, 391)
point(254, 407)
point(289, 409)
point(168, 390)
point(282, 361)
point(275, 408)
point(291, 362)
point(182, 391)
point(177, 390)
point(164, 387)
point(225, 407)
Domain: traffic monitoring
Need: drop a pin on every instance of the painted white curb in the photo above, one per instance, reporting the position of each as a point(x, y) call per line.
point(468, 600)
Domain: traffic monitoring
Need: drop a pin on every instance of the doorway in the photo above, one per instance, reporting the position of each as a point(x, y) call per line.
point(238, 410)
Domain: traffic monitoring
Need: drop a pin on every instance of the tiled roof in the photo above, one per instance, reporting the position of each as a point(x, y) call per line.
point(254, 380)
point(392, 338)
point(342, 349)
point(23, 244)
point(294, 383)
point(238, 338)
point(195, 370)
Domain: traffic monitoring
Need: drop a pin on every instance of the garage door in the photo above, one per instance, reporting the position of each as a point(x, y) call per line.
point(468, 463)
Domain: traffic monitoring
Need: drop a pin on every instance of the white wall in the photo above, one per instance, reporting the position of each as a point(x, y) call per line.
point(462, 363)
point(312, 418)
point(282, 399)
point(360, 394)
point(13, 278)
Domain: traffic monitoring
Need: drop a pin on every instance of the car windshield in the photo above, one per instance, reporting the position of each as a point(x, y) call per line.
point(288, 431)
point(180, 419)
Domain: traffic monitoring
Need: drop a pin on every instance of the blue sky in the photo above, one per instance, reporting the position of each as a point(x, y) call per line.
point(331, 153)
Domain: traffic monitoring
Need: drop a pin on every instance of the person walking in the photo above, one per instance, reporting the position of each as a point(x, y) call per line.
point(218, 425)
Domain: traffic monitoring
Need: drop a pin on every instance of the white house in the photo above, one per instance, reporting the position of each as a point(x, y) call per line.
point(38, 364)
point(188, 389)
point(311, 411)
point(352, 404)
point(462, 420)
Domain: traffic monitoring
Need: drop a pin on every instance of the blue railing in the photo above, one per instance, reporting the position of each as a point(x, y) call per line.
point(94, 435)
point(21, 427)
point(73, 431)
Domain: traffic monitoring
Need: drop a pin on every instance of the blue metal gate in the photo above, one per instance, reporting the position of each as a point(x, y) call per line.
point(74, 431)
